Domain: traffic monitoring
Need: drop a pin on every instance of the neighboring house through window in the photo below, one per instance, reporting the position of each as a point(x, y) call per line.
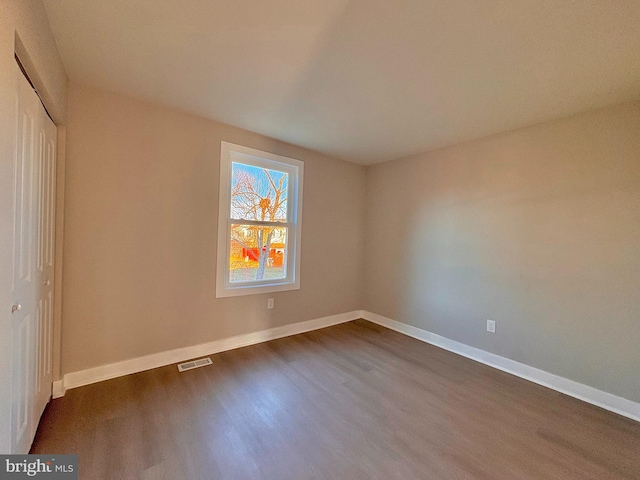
point(259, 222)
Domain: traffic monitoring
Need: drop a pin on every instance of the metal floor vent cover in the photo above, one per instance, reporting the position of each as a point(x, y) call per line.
point(201, 362)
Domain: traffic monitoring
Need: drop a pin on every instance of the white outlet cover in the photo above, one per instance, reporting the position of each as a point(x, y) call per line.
point(270, 303)
point(491, 326)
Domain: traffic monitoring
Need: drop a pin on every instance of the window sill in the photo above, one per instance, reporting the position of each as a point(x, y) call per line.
point(241, 290)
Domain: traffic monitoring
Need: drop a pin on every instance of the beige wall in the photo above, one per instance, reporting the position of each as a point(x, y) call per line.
point(141, 206)
point(28, 19)
point(538, 229)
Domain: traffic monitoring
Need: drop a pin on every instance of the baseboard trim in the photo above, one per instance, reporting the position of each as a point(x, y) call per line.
point(58, 389)
point(608, 401)
point(140, 364)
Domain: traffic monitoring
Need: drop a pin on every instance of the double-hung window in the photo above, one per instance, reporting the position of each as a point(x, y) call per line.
point(259, 222)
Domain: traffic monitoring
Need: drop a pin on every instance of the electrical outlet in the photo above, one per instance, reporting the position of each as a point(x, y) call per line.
point(270, 303)
point(491, 326)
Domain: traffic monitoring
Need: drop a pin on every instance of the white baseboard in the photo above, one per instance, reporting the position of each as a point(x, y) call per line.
point(58, 389)
point(608, 401)
point(140, 364)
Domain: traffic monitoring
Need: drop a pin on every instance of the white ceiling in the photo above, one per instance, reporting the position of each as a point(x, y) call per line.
point(365, 80)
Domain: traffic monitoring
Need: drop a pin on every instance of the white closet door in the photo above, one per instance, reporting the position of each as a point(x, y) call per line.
point(45, 248)
point(32, 311)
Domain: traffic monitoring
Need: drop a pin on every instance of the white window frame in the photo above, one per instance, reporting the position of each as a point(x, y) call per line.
point(230, 152)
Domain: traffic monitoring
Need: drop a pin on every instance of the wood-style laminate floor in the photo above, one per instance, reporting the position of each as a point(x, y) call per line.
point(354, 401)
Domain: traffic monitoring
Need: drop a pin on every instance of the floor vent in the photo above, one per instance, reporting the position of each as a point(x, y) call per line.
point(201, 362)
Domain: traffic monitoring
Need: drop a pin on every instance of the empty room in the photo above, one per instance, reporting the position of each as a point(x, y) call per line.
point(320, 239)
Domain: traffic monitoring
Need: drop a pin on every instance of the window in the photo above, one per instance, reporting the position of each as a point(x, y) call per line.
point(259, 222)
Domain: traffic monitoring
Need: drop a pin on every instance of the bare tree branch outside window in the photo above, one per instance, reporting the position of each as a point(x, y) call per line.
point(257, 194)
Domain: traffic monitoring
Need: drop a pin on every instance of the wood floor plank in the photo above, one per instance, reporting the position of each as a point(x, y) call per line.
point(353, 401)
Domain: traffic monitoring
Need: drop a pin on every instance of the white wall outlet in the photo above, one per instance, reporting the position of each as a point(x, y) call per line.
point(270, 303)
point(491, 326)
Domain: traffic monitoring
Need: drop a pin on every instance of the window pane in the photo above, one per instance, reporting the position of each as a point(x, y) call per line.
point(258, 193)
point(257, 253)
